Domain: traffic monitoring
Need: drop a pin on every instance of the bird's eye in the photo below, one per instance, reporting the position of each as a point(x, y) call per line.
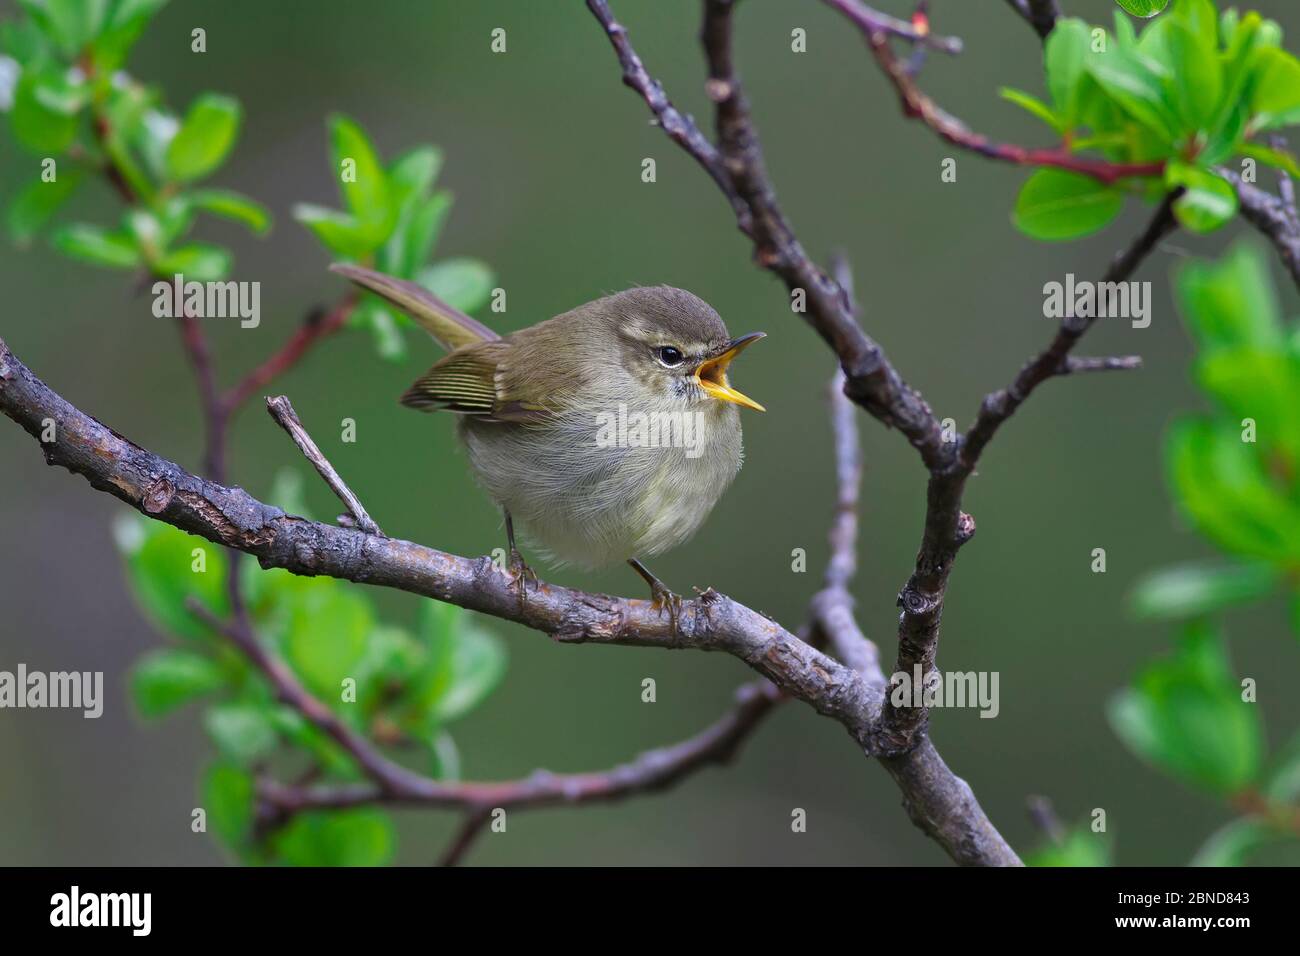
point(670, 356)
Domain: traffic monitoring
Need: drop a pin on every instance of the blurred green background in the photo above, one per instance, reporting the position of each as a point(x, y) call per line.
point(544, 148)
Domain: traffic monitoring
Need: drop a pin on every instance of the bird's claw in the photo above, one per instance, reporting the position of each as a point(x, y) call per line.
point(662, 599)
point(521, 574)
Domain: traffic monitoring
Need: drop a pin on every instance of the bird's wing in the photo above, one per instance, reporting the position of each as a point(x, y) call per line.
point(469, 381)
point(452, 328)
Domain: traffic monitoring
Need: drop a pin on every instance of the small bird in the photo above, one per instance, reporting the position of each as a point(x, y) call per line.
point(609, 432)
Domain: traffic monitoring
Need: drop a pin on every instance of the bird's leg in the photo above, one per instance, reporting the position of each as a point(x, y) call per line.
point(520, 572)
point(661, 598)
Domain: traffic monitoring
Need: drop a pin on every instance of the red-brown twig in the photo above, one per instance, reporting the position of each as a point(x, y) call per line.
point(318, 326)
point(918, 105)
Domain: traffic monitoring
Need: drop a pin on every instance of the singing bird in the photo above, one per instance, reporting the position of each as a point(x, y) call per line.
point(608, 432)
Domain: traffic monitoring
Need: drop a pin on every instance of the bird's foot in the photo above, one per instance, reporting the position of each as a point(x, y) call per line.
point(661, 599)
point(521, 574)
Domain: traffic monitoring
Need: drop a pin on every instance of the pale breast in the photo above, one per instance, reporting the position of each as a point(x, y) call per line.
point(591, 492)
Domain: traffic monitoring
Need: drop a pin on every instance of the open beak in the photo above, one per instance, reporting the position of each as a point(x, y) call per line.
point(712, 373)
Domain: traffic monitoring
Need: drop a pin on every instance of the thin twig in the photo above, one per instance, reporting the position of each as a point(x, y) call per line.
point(948, 527)
point(390, 777)
point(918, 105)
point(832, 607)
point(651, 771)
point(1270, 216)
point(917, 32)
point(468, 831)
point(281, 410)
point(1044, 816)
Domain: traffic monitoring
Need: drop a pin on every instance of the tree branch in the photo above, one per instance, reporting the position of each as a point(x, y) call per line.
point(916, 104)
point(738, 170)
point(650, 771)
point(162, 490)
point(281, 410)
point(1270, 216)
point(948, 528)
point(917, 32)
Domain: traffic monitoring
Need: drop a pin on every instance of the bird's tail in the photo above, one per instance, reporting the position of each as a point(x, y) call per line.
point(452, 328)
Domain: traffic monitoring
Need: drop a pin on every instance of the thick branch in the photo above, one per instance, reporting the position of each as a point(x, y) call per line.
point(947, 527)
point(163, 490)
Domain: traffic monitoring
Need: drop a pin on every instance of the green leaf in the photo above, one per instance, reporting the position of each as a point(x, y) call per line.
point(465, 663)
point(421, 232)
point(338, 232)
point(197, 262)
point(1055, 205)
point(38, 202)
point(362, 179)
point(411, 176)
point(228, 797)
point(1192, 590)
point(1185, 714)
point(1081, 847)
point(1065, 54)
point(164, 680)
point(1275, 98)
point(1262, 385)
point(1232, 845)
point(1032, 104)
point(325, 635)
point(74, 23)
point(226, 204)
point(1207, 202)
point(1143, 8)
point(44, 116)
point(1131, 82)
point(1198, 72)
point(205, 138)
point(128, 20)
point(464, 284)
point(160, 564)
point(444, 757)
point(361, 837)
point(241, 730)
point(385, 328)
point(1282, 783)
point(91, 244)
point(1223, 487)
point(1230, 302)
point(1277, 158)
